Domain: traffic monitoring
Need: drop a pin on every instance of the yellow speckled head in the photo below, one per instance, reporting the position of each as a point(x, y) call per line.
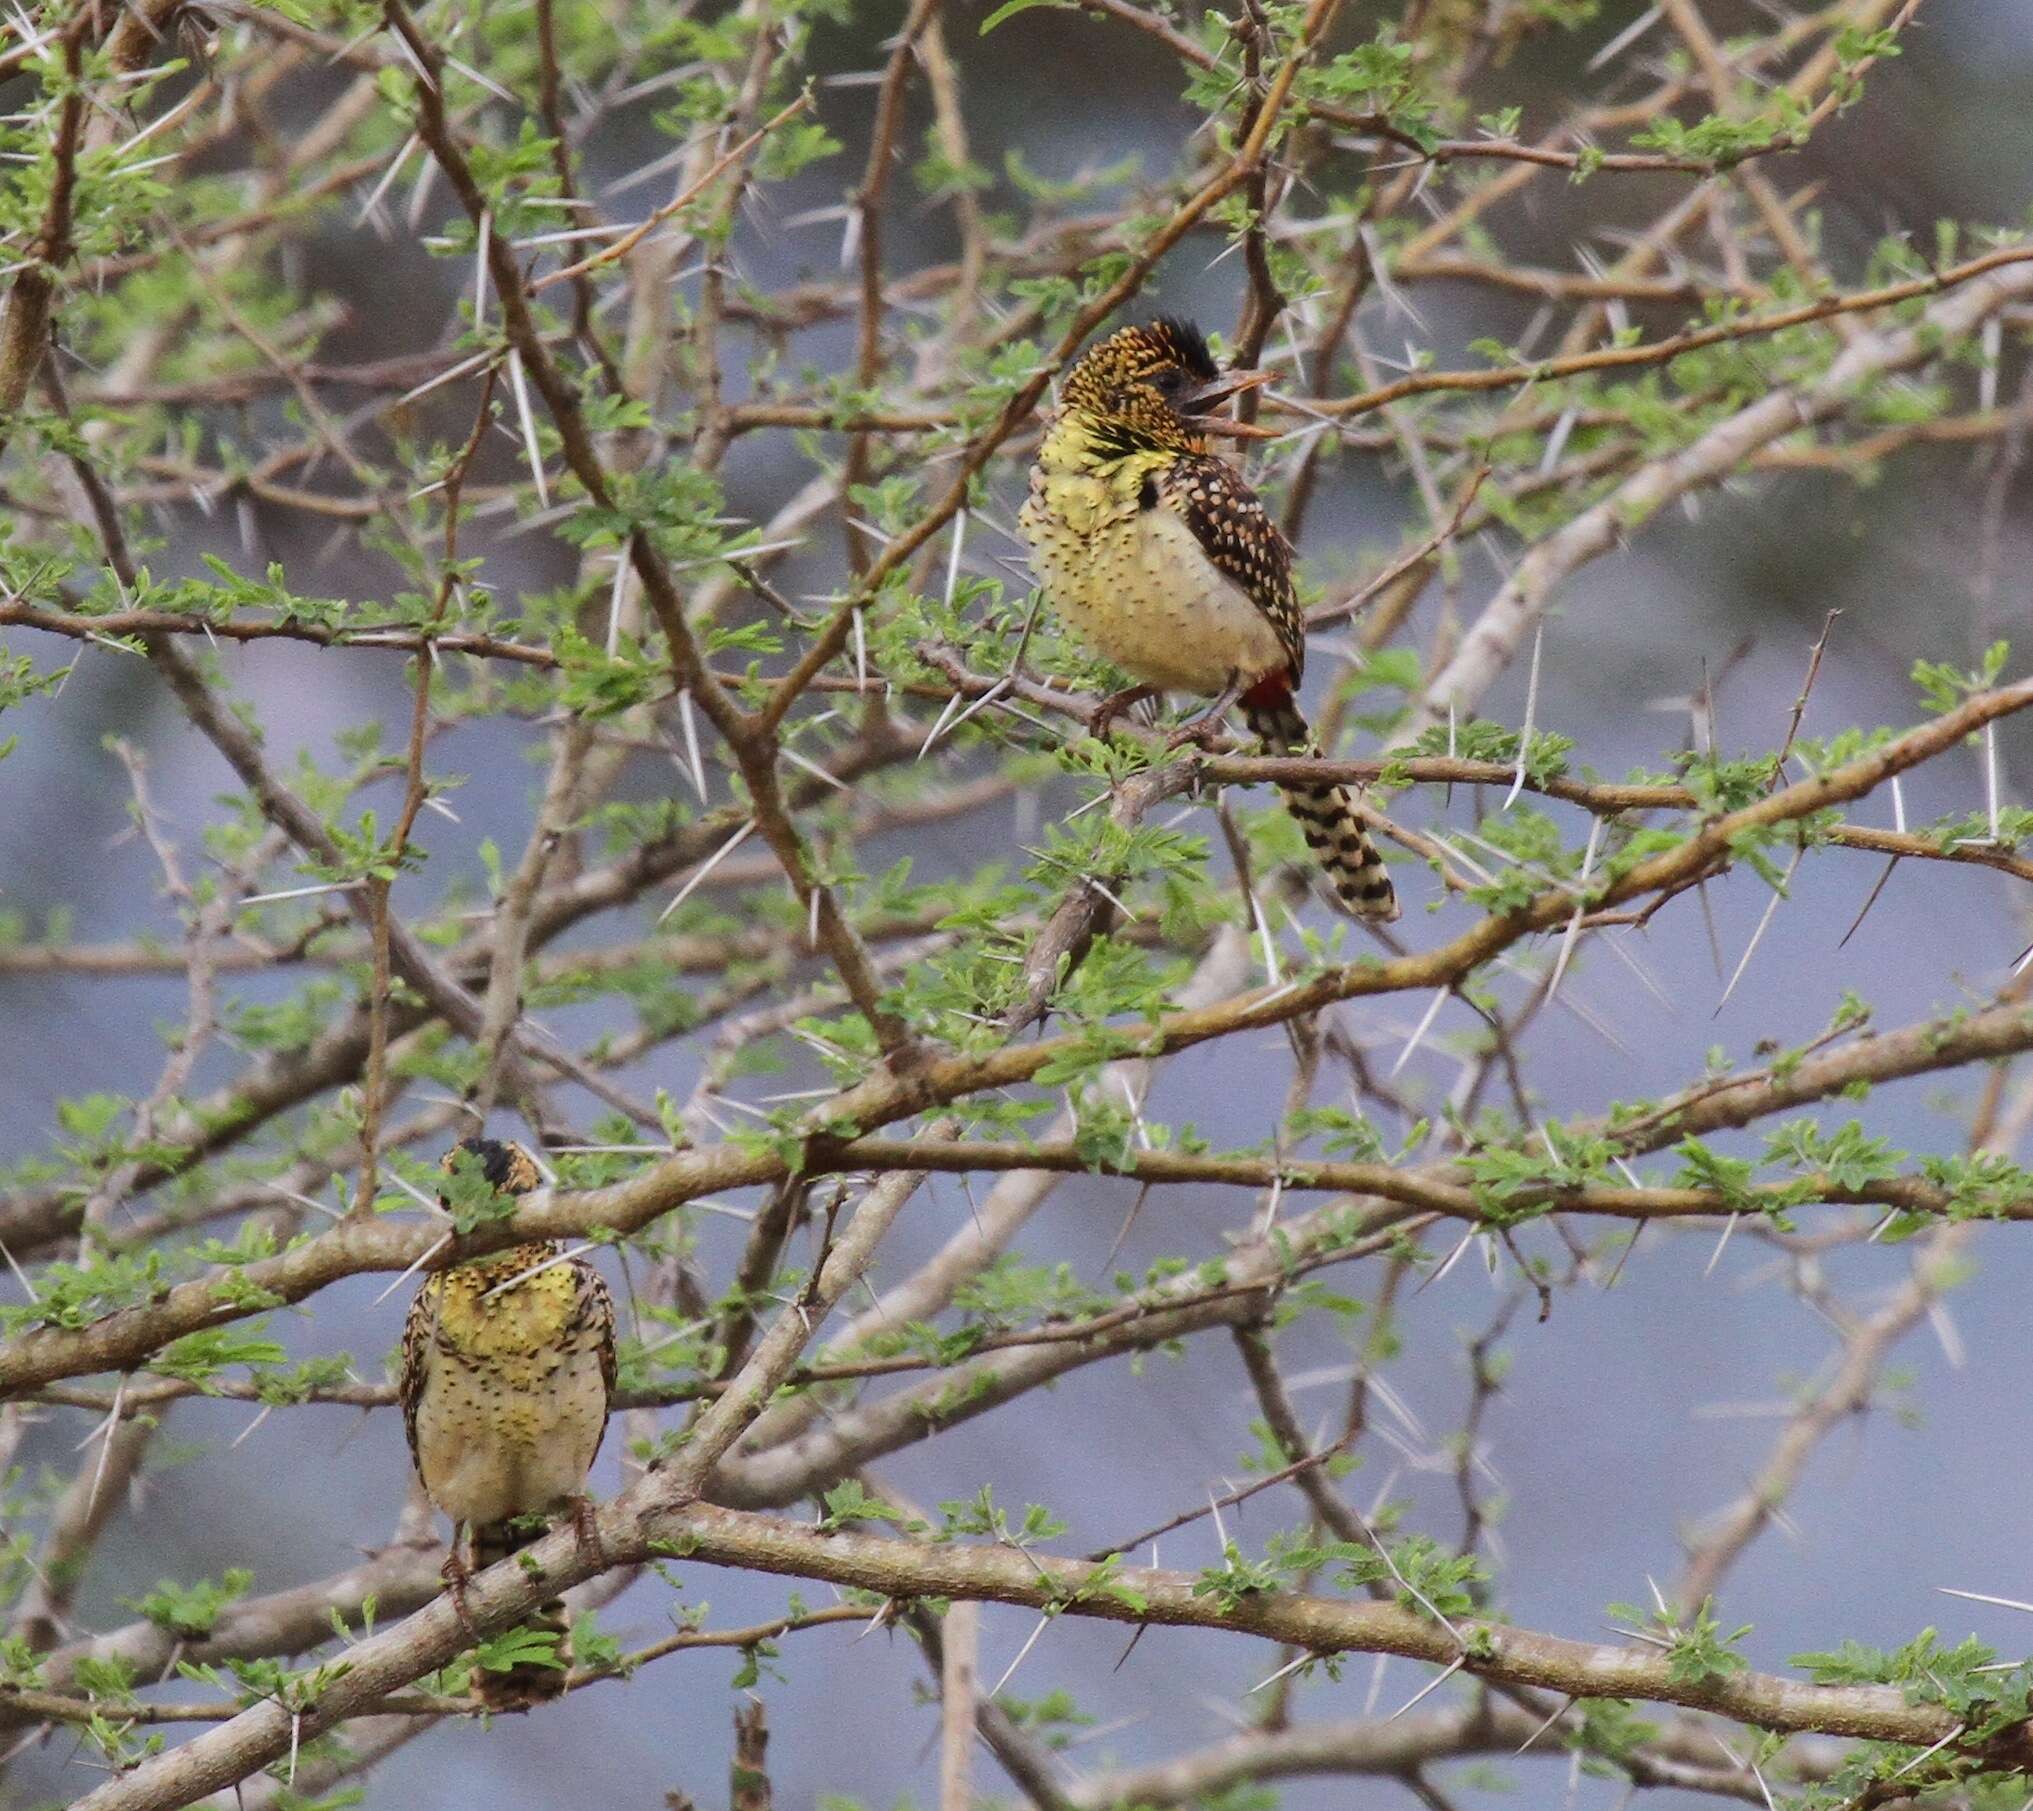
point(474, 1305)
point(505, 1164)
point(1138, 386)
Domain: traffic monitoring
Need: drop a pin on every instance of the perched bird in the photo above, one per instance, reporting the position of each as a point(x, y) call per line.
point(1158, 555)
point(507, 1373)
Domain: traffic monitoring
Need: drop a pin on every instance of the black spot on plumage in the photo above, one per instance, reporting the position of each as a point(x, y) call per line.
point(1147, 494)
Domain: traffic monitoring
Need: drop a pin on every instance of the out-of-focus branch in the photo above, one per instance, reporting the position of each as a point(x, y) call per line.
point(1991, 283)
point(657, 1516)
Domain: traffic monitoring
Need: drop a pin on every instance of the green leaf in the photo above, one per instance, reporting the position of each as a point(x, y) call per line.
point(1009, 8)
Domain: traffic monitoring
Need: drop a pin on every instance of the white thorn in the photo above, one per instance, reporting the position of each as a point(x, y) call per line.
point(1418, 1036)
point(706, 867)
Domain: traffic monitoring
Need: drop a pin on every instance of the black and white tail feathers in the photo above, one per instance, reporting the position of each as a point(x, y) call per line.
point(527, 1682)
point(1337, 836)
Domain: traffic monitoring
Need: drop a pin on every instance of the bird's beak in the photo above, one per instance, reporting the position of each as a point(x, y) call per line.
point(1202, 404)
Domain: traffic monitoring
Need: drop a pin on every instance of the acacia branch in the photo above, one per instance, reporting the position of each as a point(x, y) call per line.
point(884, 1098)
point(1989, 285)
point(653, 1518)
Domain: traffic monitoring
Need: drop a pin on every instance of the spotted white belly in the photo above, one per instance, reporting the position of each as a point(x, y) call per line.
point(1138, 590)
point(489, 1450)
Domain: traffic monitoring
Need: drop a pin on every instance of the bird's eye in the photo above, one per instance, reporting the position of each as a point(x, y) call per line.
point(1167, 381)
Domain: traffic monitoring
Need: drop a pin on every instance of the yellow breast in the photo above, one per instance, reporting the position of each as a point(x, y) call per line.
point(511, 1391)
point(507, 1328)
point(1130, 581)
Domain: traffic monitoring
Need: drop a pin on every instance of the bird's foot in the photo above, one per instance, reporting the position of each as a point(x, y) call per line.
point(1200, 733)
point(586, 1525)
point(1105, 713)
point(1202, 730)
point(455, 1575)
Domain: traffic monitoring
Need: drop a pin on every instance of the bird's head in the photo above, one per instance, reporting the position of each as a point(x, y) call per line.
point(505, 1164)
point(1156, 386)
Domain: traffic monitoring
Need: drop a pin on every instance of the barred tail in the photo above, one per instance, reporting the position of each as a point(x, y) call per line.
point(528, 1681)
point(1337, 837)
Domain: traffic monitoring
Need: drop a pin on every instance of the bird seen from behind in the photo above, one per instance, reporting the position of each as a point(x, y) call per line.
point(1158, 555)
point(507, 1375)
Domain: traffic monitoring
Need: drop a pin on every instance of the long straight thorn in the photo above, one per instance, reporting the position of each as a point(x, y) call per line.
point(1559, 1711)
point(706, 867)
point(1531, 710)
point(1431, 1685)
point(529, 438)
point(423, 1258)
point(690, 725)
point(1419, 1032)
point(994, 1689)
